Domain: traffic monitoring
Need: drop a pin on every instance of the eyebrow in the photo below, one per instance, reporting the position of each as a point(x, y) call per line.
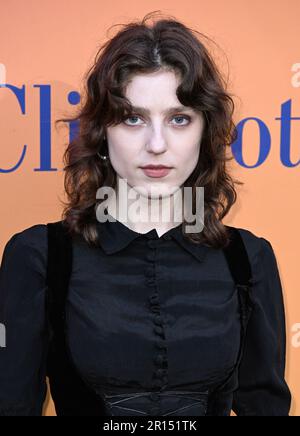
point(146, 111)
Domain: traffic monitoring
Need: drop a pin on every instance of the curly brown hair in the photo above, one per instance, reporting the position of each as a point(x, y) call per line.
point(140, 47)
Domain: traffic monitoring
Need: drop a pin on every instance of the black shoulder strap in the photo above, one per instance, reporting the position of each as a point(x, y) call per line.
point(241, 271)
point(237, 258)
point(71, 395)
point(59, 268)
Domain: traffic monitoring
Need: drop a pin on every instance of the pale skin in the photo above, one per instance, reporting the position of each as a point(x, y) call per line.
point(159, 136)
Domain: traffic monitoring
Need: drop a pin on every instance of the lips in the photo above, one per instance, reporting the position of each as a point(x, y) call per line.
point(156, 170)
point(155, 167)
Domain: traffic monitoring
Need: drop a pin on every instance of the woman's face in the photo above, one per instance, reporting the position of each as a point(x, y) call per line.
point(155, 134)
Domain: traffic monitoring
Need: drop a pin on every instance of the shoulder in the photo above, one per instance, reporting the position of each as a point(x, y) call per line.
point(28, 245)
point(261, 255)
point(33, 236)
point(257, 246)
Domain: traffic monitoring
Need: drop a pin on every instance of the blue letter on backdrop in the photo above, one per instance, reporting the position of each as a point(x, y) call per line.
point(20, 94)
point(285, 136)
point(264, 146)
point(45, 128)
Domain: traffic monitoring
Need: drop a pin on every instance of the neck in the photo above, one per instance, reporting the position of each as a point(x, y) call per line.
point(146, 213)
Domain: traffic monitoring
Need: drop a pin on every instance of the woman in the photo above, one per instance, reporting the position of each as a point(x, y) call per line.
point(134, 316)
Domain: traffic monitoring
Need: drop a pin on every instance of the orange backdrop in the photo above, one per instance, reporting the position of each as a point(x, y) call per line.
point(54, 42)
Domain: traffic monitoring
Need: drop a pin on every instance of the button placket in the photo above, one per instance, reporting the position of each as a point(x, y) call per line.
point(160, 378)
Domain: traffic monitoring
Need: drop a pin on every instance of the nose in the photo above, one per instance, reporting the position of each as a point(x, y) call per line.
point(156, 142)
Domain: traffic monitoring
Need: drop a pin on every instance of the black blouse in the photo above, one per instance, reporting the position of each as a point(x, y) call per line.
point(124, 337)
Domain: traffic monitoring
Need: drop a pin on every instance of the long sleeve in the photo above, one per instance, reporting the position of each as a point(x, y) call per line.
point(22, 300)
point(263, 390)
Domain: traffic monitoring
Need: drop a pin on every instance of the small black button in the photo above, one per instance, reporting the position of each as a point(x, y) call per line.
point(158, 320)
point(160, 345)
point(150, 256)
point(149, 272)
point(159, 330)
point(159, 359)
point(159, 372)
point(154, 299)
point(152, 243)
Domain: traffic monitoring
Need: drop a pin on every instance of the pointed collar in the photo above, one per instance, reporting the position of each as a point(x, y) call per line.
point(115, 236)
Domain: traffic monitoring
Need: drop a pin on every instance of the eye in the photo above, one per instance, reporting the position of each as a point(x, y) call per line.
point(181, 117)
point(133, 117)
